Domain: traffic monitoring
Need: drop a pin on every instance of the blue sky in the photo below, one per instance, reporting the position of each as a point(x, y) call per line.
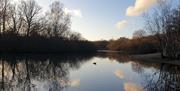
point(105, 19)
point(99, 18)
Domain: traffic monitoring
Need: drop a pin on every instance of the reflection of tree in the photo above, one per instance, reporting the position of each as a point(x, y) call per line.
point(122, 58)
point(25, 73)
point(2, 75)
point(136, 67)
point(140, 66)
point(166, 79)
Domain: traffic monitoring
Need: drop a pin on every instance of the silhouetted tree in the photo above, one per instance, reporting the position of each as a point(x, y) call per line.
point(30, 9)
point(4, 13)
point(16, 18)
point(23, 28)
point(58, 22)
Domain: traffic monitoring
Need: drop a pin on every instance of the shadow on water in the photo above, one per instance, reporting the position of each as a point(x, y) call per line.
point(25, 72)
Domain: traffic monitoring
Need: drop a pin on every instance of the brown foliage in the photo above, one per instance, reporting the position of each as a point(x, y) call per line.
point(137, 45)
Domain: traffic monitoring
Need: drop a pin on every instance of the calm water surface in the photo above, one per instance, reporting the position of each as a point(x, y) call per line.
point(101, 72)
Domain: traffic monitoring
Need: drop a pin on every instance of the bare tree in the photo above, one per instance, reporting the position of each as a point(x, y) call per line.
point(160, 25)
point(16, 18)
point(59, 22)
point(139, 34)
point(30, 9)
point(3, 13)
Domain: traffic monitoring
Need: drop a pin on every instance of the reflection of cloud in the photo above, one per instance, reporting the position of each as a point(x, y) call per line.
point(72, 83)
point(132, 87)
point(73, 12)
point(75, 83)
point(121, 24)
point(139, 7)
point(119, 73)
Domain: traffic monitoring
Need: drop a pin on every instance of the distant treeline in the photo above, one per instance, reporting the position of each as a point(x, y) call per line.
point(25, 28)
point(141, 45)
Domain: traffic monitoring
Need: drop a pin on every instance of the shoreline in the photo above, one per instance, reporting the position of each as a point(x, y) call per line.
point(153, 58)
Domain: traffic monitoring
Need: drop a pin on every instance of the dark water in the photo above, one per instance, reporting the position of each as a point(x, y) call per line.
point(100, 72)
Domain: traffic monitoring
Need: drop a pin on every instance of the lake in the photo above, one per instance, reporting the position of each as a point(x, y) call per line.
point(87, 72)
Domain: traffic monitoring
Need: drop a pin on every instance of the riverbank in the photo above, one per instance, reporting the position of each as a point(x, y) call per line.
point(154, 58)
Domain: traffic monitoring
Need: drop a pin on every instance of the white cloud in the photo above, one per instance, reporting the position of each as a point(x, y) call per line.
point(73, 12)
point(132, 87)
point(119, 73)
point(139, 7)
point(121, 24)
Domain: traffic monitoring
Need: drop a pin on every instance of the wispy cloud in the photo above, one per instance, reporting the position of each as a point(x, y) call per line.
point(139, 7)
point(73, 12)
point(121, 24)
point(132, 87)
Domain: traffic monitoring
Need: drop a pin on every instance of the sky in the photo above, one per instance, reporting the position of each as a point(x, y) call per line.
point(105, 19)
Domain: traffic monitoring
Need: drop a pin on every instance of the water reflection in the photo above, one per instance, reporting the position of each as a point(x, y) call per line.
point(161, 77)
point(132, 87)
point(111, 72)
point(167, 78)
point(119, 73)
point(121, 58)
point(47, 72)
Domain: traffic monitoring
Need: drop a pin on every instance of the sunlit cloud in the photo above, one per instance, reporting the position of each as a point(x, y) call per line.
point(73, 12)
point(121, 24)
point(139, 7)
point(132, 87)
point(119, 73)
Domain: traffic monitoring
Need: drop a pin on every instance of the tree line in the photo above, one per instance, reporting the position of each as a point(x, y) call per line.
point(137, 45)
point(25, 27)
